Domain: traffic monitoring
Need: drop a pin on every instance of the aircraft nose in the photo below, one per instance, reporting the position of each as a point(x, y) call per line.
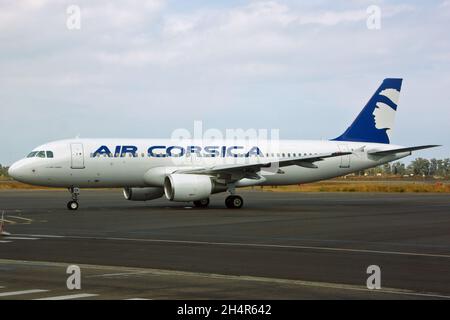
point(12, 171)
point(16, 171)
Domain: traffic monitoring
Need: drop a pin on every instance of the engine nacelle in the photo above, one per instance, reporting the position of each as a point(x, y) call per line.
point(187, 187)
point(143, 194)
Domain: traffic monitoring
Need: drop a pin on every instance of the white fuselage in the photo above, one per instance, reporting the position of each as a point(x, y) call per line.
point(130, 163)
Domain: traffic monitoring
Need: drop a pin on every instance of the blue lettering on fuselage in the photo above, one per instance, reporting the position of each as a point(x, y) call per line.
point(179, 151)
point(171, 153)
point(129, 149)
point(151, 152)
point(102, 150)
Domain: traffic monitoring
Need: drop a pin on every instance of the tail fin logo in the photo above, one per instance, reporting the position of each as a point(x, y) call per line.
point(384, 114)
point(375, 122)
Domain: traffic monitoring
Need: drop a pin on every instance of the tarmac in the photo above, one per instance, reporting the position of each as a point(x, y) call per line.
point(278, 246)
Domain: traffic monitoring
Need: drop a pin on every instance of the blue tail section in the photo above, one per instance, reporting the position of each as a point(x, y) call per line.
point(375, 123)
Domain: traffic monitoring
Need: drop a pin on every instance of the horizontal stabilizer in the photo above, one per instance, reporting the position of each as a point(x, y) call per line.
point(394, 151)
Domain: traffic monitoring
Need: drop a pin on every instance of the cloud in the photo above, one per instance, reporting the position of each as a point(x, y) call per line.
point(143, 68)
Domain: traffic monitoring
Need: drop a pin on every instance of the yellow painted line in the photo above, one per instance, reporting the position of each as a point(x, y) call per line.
point(9, 221)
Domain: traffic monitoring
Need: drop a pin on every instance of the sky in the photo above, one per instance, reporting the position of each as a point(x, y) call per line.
point(143, 68)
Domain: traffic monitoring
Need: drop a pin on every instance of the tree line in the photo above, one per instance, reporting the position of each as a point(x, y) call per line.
point(417, 167)
point(3, 171)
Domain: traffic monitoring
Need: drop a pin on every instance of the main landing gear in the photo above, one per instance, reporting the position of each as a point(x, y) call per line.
point(201, 203)
point(75, 192)
point(234, 202)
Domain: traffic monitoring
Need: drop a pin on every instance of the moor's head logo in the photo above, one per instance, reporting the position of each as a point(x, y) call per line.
point(384, 114)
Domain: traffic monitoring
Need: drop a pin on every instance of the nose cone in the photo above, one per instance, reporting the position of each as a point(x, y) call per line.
point(12, 171)
point(17, 171)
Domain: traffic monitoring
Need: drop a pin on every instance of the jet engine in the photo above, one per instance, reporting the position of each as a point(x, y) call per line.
point(143, 194)
point(187, 187)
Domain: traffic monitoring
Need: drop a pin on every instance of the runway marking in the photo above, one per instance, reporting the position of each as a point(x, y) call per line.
point(9, 221)
point(3, 241)
point(258, 245)
point(20, 238)
point(70, 296)
point(41, 236)
point(281, 246)
point(172, 273)
point(18, 293)
point(21, 218)
point(116, 274)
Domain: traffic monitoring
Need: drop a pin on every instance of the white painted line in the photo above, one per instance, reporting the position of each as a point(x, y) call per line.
point(21, 218)
point(18, 293)
point(45, 236)
point(21, 238)
point(281, 246)
point(39, 235)
point(257, 245)
point(70, 296)
point(2, 241)
point(174, 273)
point(123, 274)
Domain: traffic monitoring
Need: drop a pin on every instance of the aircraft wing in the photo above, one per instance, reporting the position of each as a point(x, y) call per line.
point(394, 151)
point(250, 170)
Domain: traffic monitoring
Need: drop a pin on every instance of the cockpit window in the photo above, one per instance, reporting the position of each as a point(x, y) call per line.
point(41, 154)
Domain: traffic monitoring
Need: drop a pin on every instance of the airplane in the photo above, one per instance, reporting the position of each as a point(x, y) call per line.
point(193, 170)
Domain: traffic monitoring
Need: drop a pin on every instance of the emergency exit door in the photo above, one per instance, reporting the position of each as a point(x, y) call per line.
point(77, 156)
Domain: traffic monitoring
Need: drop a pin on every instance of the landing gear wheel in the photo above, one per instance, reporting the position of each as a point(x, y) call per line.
point(201, 203)
point(234, 202)
point(72, 205)
point(75, 192)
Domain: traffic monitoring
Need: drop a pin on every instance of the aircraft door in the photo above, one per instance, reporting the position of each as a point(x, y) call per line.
point(77, 155)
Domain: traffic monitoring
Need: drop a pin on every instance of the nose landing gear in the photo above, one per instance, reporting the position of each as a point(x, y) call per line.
point(75, 192)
